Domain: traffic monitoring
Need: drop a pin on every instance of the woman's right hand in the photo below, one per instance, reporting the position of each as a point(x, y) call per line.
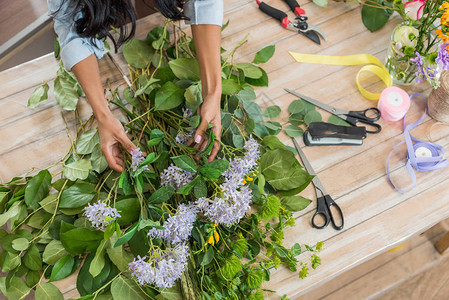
point(112, 134)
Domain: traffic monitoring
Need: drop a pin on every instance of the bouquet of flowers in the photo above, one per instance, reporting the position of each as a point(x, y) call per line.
point(172, 225)
point(418, 48)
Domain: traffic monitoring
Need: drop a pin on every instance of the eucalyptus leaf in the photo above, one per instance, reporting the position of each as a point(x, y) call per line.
point(65, 93)
point(48, 291)
point(17, 288)
point(37, 189)
point(11, 262)
point(125, 288)
point(62, 268)
point(32, 258)
point(20, 244)
point(322, 3)
point(168, 97)
point(337, 121)
point(137, 53)
point(77, 170)
point(185, 68)
point(39, 95)
point(87, 142)
point(230, 87)
point(77, 195)
point(254, 111)
point(53, 252)
point(293, 131)
point(262, 81)
point(98, 161)
point(250, 70)
point(312, 116)
point(296, 106)
point(272, 111)
point(246, 94)
point(264, 55)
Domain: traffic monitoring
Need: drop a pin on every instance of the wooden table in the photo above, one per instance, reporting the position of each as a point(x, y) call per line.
point(377, 217)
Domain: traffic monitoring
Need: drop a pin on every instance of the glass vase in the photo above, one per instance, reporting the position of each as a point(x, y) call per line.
point(401, 70)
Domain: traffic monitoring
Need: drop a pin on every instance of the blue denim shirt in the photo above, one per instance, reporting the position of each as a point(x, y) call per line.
point(75, 48)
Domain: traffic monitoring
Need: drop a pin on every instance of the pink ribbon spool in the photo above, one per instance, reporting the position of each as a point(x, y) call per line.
point(393, 103)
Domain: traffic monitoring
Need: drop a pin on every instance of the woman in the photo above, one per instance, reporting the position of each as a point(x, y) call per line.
point(78, 23)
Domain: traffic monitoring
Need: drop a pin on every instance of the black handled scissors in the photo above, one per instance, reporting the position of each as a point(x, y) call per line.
point(351, 116)
point(324, 201)
point(300, 25)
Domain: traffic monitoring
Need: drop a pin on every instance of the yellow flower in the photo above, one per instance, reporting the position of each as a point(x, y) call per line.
point(210, 240)
point(441, 35)
point(248, 178)
point(216, 225)
point(244, 181)
point(216, 236)
point(445, 6)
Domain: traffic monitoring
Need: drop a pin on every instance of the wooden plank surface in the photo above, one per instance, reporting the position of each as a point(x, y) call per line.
point(376, 216)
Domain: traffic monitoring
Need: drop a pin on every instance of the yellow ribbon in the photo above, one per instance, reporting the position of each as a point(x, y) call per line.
point(372, 63)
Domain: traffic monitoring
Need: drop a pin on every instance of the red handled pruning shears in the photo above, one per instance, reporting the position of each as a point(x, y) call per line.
point(300, 25)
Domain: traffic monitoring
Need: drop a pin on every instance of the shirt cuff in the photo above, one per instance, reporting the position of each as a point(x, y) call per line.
point(79, 49)
point(204, 12)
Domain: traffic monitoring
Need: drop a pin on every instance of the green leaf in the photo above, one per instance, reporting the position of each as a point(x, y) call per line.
point(172, 293)
point(168, 97)
point(230, 87)
point(264, 55)
point(296, 106)
point(193, 96)
point(161, 195)
point(296, 119)
point(293, 131)
point(53, 252)
point(32, 258)
point(185, 162)
point(79, 240)
point(280, 250)
point(187, 188)
point(11, 213)
point(62, 268)
point(119, 256)
point(125, 288)
point(144, 88)
point(322, 3)
point(129, 97)
point(208, 256)
point(185, 68)
point(86, 284)
point(272, 111)
point(295, 203)
point(65, 93)
point(253, 110)
point(16, 290)
point(246, 94)
point(238, 141)
point(214, 168)
point(99, 163)
point(49, 203)
point(87, 141)
point(273, 142)
point(40, 94)
point(375, 18)
point(77, 195)
point(11, 262)
point(137, 53)
point(292, 179)
point(56, 47)
point(20, 244)
point(312, 116)
point(262, 81)
point(129, 209)
point(48, 291)
point(127, 236)
point(77, 170)
point(37, 189)
point(32, 278)
point(337, 121)
point(250, 70)
point(98, 261)
point(200, 189)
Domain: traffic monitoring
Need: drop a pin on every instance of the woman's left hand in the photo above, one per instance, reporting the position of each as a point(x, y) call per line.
point(209, 111)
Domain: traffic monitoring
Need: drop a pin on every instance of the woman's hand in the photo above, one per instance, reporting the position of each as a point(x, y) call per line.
point(209, 111)
point(112, 135)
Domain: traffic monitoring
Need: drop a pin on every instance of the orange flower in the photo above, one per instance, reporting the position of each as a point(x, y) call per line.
point(216, 236)
point(445, 6)
point(441, 35)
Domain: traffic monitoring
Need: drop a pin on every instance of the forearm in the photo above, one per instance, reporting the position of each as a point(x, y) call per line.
point(88, 75)
point(207, 39)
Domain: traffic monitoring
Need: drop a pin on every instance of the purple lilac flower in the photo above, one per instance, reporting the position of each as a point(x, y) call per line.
point(182, 137)
point(175, 177)
point(178, 227)
point(236, 197)
point(187, 112)
point(98, 212)
point(162, 267)
point(443, 57)
point(137, 158)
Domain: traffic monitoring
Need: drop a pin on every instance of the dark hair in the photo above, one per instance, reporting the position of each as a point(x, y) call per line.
point(97, 17)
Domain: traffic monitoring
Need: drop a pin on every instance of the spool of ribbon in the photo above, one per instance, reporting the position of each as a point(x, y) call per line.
point(393, 103)
point(422, 156)
point(372, 63)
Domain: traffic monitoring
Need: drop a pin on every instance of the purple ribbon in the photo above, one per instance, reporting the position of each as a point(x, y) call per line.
point(423, 162)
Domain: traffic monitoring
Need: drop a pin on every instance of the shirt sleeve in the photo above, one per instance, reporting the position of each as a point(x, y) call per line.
point(204, 12)
point(74, 48)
